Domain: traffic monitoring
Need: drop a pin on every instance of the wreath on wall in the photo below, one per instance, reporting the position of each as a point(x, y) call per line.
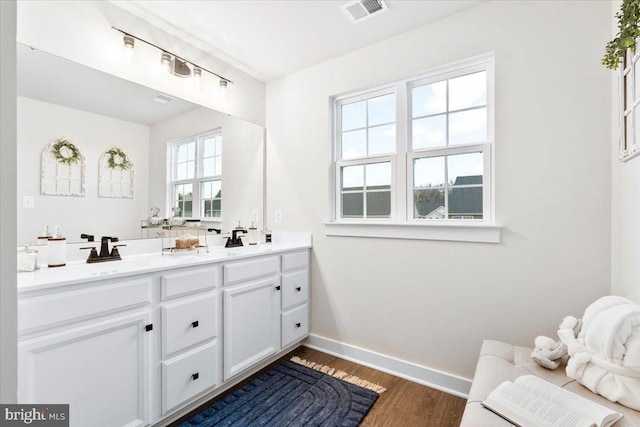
point(65, 152)
point(629, 31)
point(118, 159)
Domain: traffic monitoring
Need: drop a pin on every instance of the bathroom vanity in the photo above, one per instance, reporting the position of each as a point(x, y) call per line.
point(140, 341)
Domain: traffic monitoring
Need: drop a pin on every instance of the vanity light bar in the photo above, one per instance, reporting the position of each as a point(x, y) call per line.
point(128, 41)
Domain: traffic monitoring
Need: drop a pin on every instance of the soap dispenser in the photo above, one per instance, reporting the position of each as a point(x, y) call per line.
point(253, 234)
point(57, 250)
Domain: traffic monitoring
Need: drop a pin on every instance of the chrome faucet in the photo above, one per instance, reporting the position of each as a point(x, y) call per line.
point(104, 255)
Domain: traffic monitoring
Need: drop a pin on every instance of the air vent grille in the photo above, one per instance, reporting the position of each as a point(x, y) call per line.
point(162, 99)
point(361, 10)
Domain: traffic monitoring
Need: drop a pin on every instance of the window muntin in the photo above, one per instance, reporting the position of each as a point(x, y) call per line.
point(448, 117)
point(196, 171)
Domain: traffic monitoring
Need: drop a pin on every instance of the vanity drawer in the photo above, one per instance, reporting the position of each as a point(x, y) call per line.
point(188, 322)
point(295, 260)
point(242, 271)
point(295, 288)
point(185, 376)
point(295, 325)
point(189, 281)
point(80, 304)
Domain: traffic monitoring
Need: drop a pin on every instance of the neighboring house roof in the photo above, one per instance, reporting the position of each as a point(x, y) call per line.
point(466, 200)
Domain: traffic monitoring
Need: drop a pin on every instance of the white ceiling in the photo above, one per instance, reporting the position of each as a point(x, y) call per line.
point(52, 79)
point(271, 38)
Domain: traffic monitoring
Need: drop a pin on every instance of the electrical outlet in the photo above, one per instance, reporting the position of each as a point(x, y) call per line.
point(254, 215)
point(28, 202)
point(278, 216)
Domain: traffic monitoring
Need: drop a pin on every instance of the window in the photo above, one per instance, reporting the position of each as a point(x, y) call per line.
point(196, 176)
point(630, 106)
point(417, 152)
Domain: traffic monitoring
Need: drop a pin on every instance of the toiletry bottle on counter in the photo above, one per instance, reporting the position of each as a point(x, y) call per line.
point(57, 250)
point(253, 234)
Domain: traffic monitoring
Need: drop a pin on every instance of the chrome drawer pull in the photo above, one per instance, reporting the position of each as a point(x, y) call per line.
point(195, 324)
point(195, 376)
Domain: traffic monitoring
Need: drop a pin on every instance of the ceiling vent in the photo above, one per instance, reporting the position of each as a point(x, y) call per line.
point(162, 99)
point(361, 10)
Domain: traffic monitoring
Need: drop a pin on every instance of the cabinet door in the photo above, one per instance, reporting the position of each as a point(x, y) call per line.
point(251, 324)
point(100, 370)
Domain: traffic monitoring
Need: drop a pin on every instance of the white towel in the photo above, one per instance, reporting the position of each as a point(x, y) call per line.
point(605, 355)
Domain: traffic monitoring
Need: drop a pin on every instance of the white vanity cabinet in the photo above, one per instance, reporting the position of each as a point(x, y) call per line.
point(144, 348)
point(251, 313)
point(88, 347)
point(190, 318)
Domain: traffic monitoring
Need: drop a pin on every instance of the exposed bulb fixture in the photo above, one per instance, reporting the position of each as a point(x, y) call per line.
point(165, 60)
point(172, 63)
point(129, 42)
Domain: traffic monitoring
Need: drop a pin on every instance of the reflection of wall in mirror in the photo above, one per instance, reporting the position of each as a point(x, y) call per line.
point(241, 162)
point(39, 123)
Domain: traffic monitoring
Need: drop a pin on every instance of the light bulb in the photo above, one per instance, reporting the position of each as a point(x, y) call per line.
point(166, 62)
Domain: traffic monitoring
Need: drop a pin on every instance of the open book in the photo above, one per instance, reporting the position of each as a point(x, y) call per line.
point(533, 402)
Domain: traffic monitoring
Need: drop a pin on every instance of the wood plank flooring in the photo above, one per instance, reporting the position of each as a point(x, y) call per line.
point(404, 404)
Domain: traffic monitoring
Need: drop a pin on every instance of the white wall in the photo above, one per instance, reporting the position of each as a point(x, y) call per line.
point(433, 302)
point(81, 31)
point(625, 204)
point(38, 124)
point(8, 306)
point(242, 158)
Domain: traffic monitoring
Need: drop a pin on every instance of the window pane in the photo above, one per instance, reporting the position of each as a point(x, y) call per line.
point(216, 205)
point(428, 204)
point(636, 78)
point(379, 204)
point(382, 139)
point(429, 99)
point(465, 169)
point(628, 131)
point(205, 190)
point(429, 132)
point(465, 203)
point(468, 91)
point(191, 151)
point(354, 115)
point(428, 172)
point(468, 127)
point(629, 91)
point(354, 144)
point(218, 145)
point(218, 168)
point(352, 178)
point(181, 171)
point(382, 109)
point(188, 209)
point(208, 166)
point(208, 147)
point(182, 153)
point(352, 205)
point(378, 176)
point(190, 169)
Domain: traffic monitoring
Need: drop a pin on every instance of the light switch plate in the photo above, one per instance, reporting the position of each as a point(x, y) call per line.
point(278, 216)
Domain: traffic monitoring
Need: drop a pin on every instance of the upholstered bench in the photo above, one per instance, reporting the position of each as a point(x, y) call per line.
point(500, 362)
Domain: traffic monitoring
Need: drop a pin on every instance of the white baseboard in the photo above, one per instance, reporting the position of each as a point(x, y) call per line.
point(443, 381)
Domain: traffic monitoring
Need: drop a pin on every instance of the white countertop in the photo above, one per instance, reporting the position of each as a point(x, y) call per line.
point(81, 272)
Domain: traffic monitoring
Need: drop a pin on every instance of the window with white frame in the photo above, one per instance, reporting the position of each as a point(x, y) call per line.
point(418, 151)
point(196, 175)
point(630, 106)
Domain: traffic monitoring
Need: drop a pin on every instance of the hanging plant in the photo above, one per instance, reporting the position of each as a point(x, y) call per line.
point(628, 20)
point(118, 159)
point(65, 152)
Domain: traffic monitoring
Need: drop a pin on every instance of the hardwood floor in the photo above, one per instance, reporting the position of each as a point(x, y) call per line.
point(404, 404)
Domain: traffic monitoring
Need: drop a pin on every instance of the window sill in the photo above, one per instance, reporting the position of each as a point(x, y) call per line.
point(458, 232)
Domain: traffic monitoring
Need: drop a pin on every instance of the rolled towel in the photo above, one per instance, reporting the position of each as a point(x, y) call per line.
point(548, 352)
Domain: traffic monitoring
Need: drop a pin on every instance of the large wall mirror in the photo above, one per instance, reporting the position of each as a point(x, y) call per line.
point(95, 111)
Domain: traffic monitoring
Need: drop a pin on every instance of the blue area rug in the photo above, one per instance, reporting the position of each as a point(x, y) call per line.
point(292, 395)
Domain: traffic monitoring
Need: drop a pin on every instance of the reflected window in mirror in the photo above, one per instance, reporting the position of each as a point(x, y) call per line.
point(196, 175)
